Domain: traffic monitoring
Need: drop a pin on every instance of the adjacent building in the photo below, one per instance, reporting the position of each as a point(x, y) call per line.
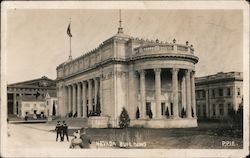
point(22, 97)
point(217, 94)
point(32, 106)
point(133, 73)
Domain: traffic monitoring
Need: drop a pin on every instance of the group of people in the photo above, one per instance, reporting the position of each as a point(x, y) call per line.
point(80, 140)
point(61, 131)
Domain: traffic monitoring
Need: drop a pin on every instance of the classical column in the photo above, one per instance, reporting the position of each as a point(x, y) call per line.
point(65, 104)
point(175, 92)
point(74, 99)
point(207, 103)
point(143, 94)
point(69, 99)
point(188, 94)
point(19, 105)
point(90, 94)
point(79, 99)
point(158, 92)
point(183, 92)
point(84, 106)
point(101, 99)
point(193, 96)
point(96, 91)
point(14, 104)
point(132, 92)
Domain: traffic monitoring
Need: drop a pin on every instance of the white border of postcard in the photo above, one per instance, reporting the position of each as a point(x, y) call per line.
point(211, 5)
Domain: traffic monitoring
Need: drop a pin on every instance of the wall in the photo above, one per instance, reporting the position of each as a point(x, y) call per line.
point(29, 106)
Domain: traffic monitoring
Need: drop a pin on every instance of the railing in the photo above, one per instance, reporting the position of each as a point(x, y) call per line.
point(164, 48)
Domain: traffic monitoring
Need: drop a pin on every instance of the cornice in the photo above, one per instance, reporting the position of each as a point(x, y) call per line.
point(189, 58)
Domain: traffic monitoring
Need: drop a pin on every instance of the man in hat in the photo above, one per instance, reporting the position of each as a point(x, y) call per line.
point(58, 130)
point(65, 131)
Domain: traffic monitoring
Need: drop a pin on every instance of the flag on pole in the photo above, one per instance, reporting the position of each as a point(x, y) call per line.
point(68, 31)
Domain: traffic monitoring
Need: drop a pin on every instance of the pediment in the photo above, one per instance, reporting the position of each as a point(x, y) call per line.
point(39, 83)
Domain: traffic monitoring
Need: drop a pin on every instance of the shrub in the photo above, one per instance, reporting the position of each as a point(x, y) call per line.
point(124, 119)
point(183, 113)
point(167, 112)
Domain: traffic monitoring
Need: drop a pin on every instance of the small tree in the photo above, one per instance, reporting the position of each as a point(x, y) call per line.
point(124, 119)
point(167, 112)
point(183, 113)
point(137, 115)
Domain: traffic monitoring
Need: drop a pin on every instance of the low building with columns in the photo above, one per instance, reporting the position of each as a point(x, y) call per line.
point(133, 73)
point(217, 94)
point(27, 91)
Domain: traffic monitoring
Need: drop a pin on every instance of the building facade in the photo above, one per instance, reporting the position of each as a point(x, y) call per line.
point(133, 73)
point(51, 104)
point(217, 94)
point(32, 106)
point(28, 89)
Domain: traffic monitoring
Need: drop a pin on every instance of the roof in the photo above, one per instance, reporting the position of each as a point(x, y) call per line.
point(220, 77)
point(43, 82)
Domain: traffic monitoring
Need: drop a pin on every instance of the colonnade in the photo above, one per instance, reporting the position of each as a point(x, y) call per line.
point(187, 92)
point(81, 97)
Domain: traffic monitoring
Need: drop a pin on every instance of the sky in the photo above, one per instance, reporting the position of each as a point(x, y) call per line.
point(37, 41)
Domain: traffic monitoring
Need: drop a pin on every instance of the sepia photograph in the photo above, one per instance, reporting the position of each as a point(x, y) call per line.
point(124, 79)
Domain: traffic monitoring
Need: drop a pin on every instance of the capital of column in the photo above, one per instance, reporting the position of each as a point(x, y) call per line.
point(157, 70)
point(188, 71)
point(175, 70)
point(192, 72)
point(141, 72)
point(89, 81)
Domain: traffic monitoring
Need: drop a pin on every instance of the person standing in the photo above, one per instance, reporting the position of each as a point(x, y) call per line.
point(85, 139)
point(58, 130)
point(65, 131)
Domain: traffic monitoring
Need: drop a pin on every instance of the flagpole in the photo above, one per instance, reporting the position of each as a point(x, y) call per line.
point(70, 57)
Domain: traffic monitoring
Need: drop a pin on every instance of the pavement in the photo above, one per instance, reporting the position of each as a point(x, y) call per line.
point(34, 136)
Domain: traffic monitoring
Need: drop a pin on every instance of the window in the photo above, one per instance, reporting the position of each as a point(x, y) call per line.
point(198, 110)
point(228, 92)
point(229, 108)
point(220, 92)
point(238, 91)
point(47, 102)
point(213, 93)
point(214, 110)
point(203, 94)
point(171, 108)
point(162, 108)
point(221, 108)
point(34, 105)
